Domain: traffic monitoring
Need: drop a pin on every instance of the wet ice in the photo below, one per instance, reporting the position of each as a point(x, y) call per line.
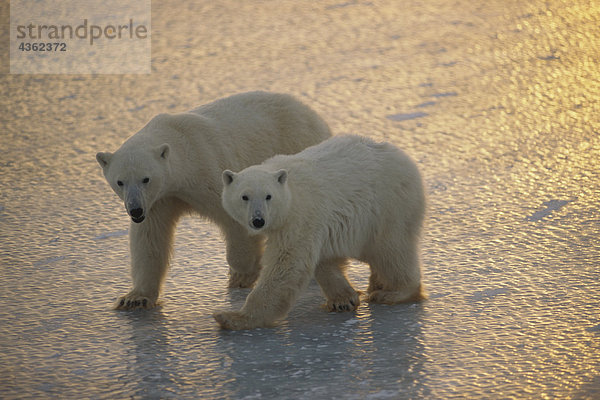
point(508, 149)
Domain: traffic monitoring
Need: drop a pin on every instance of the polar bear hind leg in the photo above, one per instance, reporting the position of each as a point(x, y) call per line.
point(395, 270)
point(331, 277)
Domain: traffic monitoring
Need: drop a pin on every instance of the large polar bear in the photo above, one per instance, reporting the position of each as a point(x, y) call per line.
point(347, 197)
point(173, 166)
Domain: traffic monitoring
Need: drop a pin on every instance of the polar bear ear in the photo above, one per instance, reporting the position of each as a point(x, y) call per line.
point(228, 177)
point(281, 176)
point(163, 151)
point(103, 159)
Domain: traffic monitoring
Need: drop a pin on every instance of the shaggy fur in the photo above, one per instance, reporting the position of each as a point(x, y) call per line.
point(173, 166)
point(347, 197)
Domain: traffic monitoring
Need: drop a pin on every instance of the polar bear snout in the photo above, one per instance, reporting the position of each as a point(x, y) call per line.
point(258, 222)
point(135, 211)
point(134, 204)
point(137, 215)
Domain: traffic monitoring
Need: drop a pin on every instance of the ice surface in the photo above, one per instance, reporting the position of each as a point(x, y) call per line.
point(509, 151)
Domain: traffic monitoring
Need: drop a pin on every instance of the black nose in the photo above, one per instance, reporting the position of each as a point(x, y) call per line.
point(258, 222)
point(136, 212)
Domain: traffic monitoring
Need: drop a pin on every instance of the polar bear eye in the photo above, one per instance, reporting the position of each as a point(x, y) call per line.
point(146, 180)
point(119, 183)
point(268, 197)
point(245, 198)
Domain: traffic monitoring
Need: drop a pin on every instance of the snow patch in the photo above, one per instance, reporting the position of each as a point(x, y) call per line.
point(111, 234)
point(407, 116)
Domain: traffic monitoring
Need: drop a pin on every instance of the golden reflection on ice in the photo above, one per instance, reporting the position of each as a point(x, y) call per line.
point(510, 248)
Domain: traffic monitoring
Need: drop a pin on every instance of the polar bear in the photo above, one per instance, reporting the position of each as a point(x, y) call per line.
point(173, 166)
point(348, 197)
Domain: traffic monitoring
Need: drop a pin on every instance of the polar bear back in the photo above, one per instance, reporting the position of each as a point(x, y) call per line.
point(349, 189)
point(234, 132)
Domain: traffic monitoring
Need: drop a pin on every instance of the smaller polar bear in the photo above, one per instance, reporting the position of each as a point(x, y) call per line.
point(173, 165)
point(348, 197)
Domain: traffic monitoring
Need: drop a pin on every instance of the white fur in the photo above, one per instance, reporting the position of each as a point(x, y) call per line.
point(173, 166)
point(347, 197)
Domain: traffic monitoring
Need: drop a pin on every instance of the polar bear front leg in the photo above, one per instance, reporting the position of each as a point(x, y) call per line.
point(244, 254)
point(278, 286)
point(151, 246)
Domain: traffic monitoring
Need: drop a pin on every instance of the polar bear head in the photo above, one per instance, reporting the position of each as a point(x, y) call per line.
point(137, 175)
point(256, 198)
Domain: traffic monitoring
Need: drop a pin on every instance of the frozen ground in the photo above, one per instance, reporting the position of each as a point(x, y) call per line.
point(497, 100)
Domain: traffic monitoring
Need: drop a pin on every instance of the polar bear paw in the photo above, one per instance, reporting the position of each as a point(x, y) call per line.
point(133, 301)
point(237, 320)
point(343, 303)
point(239, 280)
point(232, 320)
